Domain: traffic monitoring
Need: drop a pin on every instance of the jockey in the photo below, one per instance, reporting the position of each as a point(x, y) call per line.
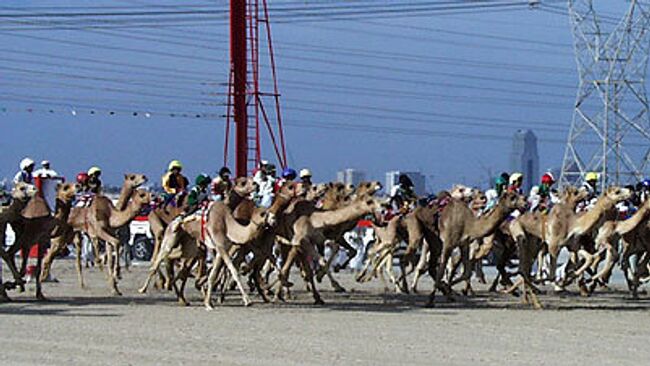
point(198, 194)
point(516, 181)
point(265, 179)
point(221, 184)
point(591, 186)
point(305, 177)
point(25, 174)
point(402, 195)
point(94, 183)
point(540, 196)
point(288, 175)
point(46, 171)
point(174, 183)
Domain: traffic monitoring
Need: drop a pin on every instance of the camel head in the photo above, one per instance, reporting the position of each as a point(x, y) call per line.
point(244, 186)
point(66, 192)
point(261, 218)
point(316, 191)
point(23, 191)
point(573, 195)
point(141, 198)
point(134, 180)
point(283, 198)
point(617, 194)
point(461, 192)
point(513, 201)
point(367, 189)
point(372, 206)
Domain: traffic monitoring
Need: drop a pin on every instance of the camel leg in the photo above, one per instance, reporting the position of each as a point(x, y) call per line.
point(111, 244)
point(162, 255)
point(610, 260)
point(55, 248)
point(420, 267)
point(223, 253)
point(442, 264)
point(6, 257)
point(37, 271)
point(77, 245)
point(526, 257)
point(310, 279)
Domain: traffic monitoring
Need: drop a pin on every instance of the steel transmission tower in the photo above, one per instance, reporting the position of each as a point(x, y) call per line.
point(610, 131)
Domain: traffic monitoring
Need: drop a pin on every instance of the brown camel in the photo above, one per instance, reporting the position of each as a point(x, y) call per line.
point(529, 233)
point(131, 182)
point(40, 223)
point(609, 233)
point(195, 230)
point(459, 226)
point(161, 217)
point(565, 226)
point(101, 220)
point(308, 231)
point(20, 194)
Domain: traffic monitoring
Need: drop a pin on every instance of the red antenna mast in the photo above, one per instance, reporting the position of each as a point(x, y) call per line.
point(246, 106)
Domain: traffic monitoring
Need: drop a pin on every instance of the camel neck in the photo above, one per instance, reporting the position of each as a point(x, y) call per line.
point(125, 194)
point(487, 224)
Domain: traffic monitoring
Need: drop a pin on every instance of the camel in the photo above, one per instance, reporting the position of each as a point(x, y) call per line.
point(160, 217)
point(529, 233)
point(20, 194)
point(565, 226)
point(131, 182)
point(99, 222)
point(627, 230)
point(458, 226)
point(40, 223)
point(196, 229)
point(308, 231)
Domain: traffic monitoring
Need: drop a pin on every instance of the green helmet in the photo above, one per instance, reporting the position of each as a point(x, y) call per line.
point(202, 180)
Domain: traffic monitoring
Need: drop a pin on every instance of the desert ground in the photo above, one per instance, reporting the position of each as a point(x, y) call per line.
point(364, 326)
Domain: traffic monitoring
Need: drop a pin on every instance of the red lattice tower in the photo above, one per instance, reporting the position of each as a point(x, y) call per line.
point(246, 106)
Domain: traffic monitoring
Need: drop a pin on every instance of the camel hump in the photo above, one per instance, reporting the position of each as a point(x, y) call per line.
point(36, 207)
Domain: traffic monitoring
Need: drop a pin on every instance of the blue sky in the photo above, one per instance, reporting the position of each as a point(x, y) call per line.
point(442, 94)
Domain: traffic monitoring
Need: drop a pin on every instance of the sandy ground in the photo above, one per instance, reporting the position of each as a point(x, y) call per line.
point(364, 326)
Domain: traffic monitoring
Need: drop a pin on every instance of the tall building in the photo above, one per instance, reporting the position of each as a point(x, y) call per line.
point(350, 176)
point(524, 157)
point(418, 179)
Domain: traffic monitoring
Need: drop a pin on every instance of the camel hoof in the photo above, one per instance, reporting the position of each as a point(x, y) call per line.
point(40, 297)
point(3, 296)
point(247, 303)
point(319, 302)
point(209, 307)
point(116, 292)
point(142, 290)
point(183, 303)
point(337, 268)
point(339, 289)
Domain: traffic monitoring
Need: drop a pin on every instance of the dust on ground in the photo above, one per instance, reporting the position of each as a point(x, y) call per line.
point(363, 326)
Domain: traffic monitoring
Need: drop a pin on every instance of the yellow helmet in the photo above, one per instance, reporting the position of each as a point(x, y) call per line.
point(175, 164)
point(591, 176)
point(94, 170)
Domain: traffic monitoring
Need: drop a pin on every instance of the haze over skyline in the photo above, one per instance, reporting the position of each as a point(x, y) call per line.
point(442, 94)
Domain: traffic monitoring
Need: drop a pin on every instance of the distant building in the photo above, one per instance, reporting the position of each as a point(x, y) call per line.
point(350, 176)
point(524, 157)
point(418, 179)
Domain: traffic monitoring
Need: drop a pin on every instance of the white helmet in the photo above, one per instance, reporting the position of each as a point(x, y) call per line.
point(305, 173)
point(25, 163)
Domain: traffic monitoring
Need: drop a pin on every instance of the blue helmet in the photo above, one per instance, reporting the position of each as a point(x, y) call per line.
point(289, 173)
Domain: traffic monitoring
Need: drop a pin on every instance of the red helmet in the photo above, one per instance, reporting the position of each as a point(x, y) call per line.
point(548, 179)
point(82, 177)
